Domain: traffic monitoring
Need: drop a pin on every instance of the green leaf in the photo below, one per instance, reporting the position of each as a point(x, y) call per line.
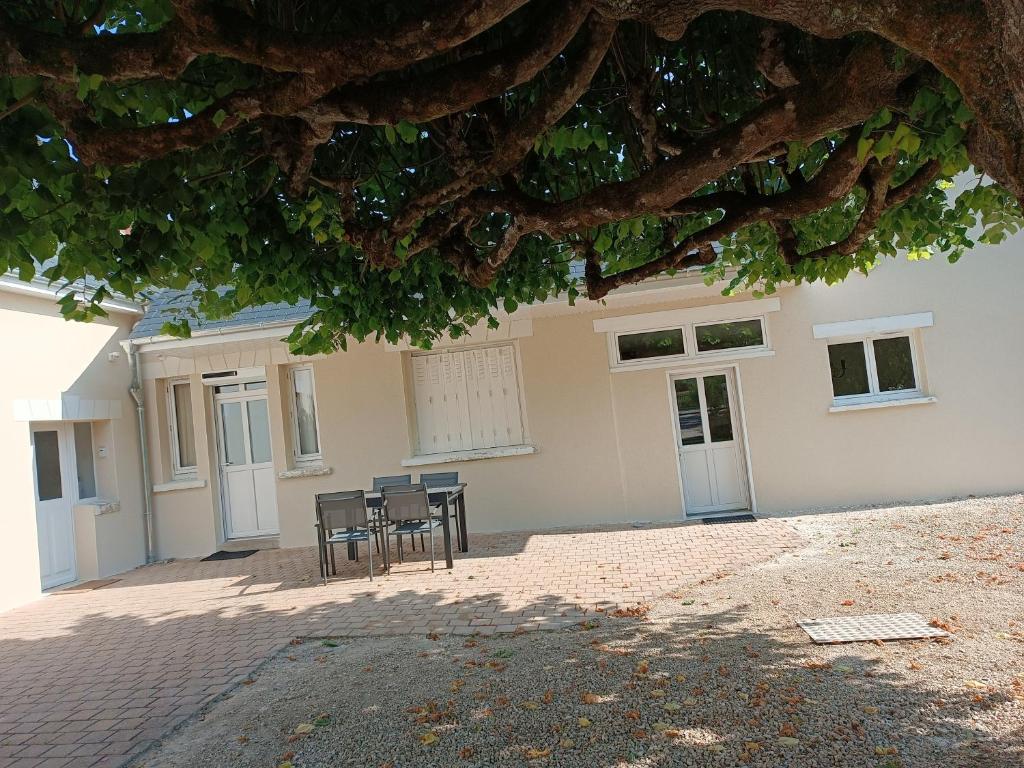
point(219, 117)
point(863, 147)
point(408, 132)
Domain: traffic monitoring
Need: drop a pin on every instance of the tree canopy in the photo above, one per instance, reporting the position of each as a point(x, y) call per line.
point(414, 166)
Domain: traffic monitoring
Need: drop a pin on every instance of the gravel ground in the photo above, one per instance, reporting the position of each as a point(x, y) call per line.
point(713, 675)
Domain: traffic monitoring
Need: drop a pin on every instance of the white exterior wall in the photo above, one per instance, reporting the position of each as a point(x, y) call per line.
point(59, 370)
point(604, 441)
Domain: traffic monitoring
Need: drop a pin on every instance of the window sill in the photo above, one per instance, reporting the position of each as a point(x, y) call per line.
point(473, 455)
point(310, 470)
point(179, 485)
point(705, 358)
point(101, 506)
point(882, 404)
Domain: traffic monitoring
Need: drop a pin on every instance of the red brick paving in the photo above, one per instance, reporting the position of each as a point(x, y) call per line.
point(92, 678)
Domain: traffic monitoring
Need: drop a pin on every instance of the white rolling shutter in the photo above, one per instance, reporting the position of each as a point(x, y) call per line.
point(467, 399)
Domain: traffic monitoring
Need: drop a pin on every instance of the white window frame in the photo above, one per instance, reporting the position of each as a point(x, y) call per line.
point(74, 457)
point(304, 459)
point(421, 457)
point(689, 345)
point(178, 471)
point(875, 395)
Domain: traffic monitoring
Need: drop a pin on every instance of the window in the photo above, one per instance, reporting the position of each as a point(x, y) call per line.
point(85, 467)
point(305, 433)
point(639, 346)
point(732, 335)
point(467, 399)
point(183, 436)
point(702, 340)
point(874, 368)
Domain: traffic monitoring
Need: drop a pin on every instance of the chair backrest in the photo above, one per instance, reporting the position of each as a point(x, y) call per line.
point(379, 483)
point(439, 479)
point(406, 502)
point(342, 509)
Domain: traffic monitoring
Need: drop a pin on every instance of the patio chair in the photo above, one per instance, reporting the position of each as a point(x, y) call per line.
point(407, 507)
point(343, 518)
point(379, 483)
point(443, 480)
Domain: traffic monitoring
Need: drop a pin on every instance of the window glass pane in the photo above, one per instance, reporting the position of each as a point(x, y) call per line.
point(252, 386)
point(637, 346)
point(305, 412)
point(895, 364)
point(742, 333)
point(691, 431)
point(183, 425)
point(259, 431)
point(47, 451)
point(84, 459)
point(231, 433)
point(849, 369)
point(716, 396)
point(225, 389)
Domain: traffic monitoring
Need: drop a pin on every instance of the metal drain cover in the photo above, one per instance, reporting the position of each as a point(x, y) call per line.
point(880, 626)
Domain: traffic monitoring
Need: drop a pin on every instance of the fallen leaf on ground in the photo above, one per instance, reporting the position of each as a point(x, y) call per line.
point(428, 738)
point(584, 722)
point(537, 754)
point(591, 698)
point(303, 728)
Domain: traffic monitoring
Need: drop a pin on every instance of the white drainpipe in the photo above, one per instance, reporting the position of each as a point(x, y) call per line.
point(136, 391)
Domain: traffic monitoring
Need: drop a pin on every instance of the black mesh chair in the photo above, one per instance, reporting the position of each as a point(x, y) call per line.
point(407, 507)
point(342, 518)
point(443, 480)
point(379, 483)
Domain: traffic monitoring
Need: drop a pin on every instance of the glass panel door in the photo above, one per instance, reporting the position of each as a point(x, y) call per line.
point(691, 425)
point(232, 433)
point(259, 431)
point(716, 395)
point(47, 450)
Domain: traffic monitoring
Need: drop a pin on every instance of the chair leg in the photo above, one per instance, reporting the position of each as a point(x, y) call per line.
point(369, 556)
point(431, 545)
point(421, 542)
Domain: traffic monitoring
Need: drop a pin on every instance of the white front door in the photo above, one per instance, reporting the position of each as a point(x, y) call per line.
point(248, 492)
point(55, 528)
point(710, 443)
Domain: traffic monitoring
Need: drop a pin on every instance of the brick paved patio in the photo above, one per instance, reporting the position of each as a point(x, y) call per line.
point(92, 678)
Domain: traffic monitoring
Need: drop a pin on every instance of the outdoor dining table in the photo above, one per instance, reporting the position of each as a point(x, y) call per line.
point(443, 496)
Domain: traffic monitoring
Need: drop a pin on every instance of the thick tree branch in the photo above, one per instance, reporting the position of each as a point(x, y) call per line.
point(457, 87)
point(516, 140)
point(203, 27)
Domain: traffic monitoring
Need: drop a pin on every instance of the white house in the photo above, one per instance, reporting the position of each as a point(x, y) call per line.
point(668, 402)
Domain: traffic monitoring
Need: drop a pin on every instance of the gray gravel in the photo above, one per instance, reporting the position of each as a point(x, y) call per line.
point(714, 675)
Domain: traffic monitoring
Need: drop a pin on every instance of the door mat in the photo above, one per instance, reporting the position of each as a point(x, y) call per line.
point(86, 586)
point(730, 519)
point(882, 626)
point(225, 555)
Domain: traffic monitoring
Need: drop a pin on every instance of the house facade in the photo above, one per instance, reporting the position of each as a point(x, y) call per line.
point(666, 402)
point(69, 445)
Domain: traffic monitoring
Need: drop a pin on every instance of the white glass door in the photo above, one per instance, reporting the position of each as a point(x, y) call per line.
point(248, 492)
point(709, 443)
point(54, 505)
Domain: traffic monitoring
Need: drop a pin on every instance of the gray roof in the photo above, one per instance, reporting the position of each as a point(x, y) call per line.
point(166, 306)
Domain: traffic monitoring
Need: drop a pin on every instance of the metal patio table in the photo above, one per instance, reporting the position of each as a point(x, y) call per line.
point(445, 497)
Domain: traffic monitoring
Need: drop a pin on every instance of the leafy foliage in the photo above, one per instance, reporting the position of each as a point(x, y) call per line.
point(222, 219)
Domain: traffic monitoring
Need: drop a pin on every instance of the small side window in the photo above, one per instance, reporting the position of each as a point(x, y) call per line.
point(183, 435)
point(874, 368)
point(306, 435)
